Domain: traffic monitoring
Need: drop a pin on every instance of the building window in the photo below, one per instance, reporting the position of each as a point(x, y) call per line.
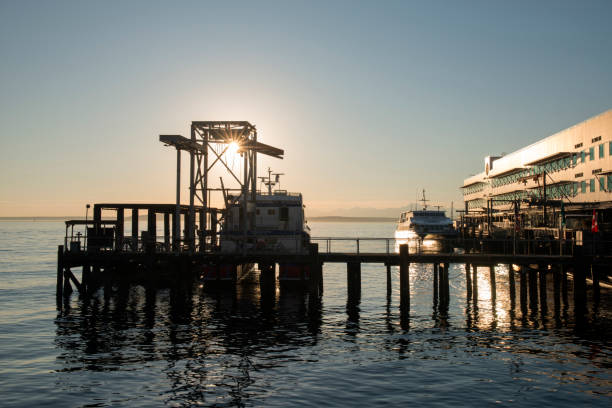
point(601, 151)
point(574, 159)
point(609, 148)
point(578, 175)
point(592, 153)
point(578, 146)
point(582, 156)
point(283, 215)
point(609, 182)
point(602, 184)
point(583, 186)
point(596, 171)
point(592, 186)
point(596, 139)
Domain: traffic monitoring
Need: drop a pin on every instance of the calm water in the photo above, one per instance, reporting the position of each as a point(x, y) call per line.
point(185, 346)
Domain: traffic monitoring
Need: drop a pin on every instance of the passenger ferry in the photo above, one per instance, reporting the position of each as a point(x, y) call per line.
point(424, 224)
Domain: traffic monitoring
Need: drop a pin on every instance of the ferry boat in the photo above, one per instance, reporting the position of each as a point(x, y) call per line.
point(424, 224)
point(280, 227)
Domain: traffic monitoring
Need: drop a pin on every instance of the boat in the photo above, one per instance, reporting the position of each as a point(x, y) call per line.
point(280, 227)
point(424, 224)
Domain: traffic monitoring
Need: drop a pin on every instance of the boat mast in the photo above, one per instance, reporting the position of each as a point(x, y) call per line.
point(424, 201)
point(268, 182)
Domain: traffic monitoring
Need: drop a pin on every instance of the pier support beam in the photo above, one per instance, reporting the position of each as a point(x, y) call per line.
point(134, 229)
point(468, 281)
point(475, 285)
point(436, 267)
point(543, 292)
point(404, 277)
point(580, 272)
point(389, 288)
point(167, 231)
point(493, 283)
point(533, 289)
point(353, 280)
point(60, 275)
point(119, 229)
point(523, 289)
point(152, 229)
point(512, 287)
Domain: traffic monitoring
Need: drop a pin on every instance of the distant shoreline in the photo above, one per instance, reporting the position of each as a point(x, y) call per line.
point(334, 218)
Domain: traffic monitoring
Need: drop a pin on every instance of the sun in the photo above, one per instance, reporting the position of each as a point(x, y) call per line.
point(232, 149)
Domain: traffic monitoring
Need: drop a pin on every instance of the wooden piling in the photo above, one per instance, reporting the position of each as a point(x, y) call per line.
point(596, 270)
point(316, 270)
point(404, 277)
point(134, 229)
point(86, 279)
point(493, 284)
point(167, 231)
point(523, 289)
point(512, 286)
point(152, 227)
point(60, 273)
point(468, 281)
point(119, 227)
point(445, 298)
point(533, 289)
point(543, 293)
point(353, 279)
point(557, 290)
point(435, 282)
point(475, 285)
point(563, 273)
point(580, 288)
point(389, 289)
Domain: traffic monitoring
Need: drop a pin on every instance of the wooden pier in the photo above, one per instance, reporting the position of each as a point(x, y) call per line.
point(142, 260)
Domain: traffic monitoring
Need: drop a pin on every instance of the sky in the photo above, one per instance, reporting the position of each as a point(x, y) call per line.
point(371, 101)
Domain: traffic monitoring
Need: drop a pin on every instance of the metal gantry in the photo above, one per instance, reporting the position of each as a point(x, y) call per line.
point(207, 147)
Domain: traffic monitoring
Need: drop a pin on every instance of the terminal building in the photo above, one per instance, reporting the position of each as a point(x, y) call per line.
point(563, 181)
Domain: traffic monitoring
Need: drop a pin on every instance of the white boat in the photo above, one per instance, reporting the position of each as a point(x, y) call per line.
point(424, 224)
point(280, 227)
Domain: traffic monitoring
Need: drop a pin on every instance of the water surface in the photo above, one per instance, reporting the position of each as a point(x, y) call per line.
point(186, 345)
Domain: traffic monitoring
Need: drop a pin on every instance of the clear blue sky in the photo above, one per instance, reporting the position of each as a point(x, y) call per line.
point(370, 100)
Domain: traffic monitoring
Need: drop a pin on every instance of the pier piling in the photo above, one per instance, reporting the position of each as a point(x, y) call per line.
point(353, 279)
point(60, 274)
point(512, 286)
point(493, 284)
point(404, 277)
point(435, 282)
point(468, 281)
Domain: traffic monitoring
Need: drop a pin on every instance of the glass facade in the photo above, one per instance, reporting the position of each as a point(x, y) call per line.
point(601, 151)
point(591, 153)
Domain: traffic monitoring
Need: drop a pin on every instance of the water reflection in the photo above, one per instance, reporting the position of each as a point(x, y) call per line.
point(209, 341)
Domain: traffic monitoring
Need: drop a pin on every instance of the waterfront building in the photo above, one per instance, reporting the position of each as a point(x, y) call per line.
point(555, 182)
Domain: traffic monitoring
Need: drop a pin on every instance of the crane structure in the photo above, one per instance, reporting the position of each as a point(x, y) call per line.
point(207, 146)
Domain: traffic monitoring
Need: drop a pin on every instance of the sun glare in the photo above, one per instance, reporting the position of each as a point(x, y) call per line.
point(232, 149)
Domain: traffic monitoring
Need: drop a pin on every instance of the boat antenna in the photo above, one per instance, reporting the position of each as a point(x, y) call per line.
point(270, 182)
point(424, 200)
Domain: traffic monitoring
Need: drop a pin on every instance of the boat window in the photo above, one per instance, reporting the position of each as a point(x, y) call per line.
point(283, 215)
point(271, 211)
